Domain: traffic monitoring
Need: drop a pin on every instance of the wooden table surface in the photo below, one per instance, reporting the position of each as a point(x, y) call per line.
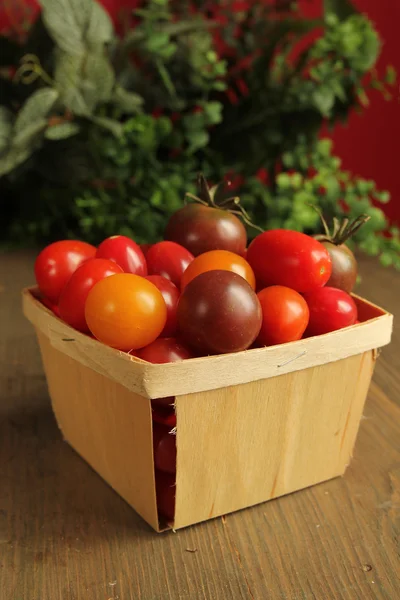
point(65, 535)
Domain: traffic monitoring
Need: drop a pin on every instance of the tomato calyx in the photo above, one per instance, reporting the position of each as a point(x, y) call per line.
point(342, 230)
point(213, 197)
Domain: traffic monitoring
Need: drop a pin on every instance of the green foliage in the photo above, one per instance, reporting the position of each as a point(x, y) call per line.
point(100, 135)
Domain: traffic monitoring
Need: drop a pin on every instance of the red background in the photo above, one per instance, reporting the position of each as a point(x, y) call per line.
point(370, 144)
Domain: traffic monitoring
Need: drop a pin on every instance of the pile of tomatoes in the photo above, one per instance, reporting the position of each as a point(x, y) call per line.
point(200, 292)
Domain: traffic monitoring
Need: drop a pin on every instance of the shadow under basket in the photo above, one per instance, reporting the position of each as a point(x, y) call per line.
point(251, 426)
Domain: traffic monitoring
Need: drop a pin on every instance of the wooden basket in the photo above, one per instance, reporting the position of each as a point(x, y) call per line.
point(251, 426)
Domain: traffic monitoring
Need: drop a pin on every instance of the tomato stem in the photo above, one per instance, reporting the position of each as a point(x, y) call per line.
point(342, 230)
point(212, 196)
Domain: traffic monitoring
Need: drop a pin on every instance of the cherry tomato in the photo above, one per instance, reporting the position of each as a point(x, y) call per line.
point(170, 294)
point(218, 312)
point(164, 350)
point(165, 415)
point(202, 228)
point(165, 491)
point(125, 311)
point(344, 267)
point(164, 447)
point(169, 260)
point(125, 252)
point(285, 315)
point(73, 297)
point(330, 309)
point(219, 260)
point(289, 258)
point(56, 263)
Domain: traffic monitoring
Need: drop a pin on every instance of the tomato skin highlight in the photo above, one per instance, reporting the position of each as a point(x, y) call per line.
point(289, 258)
point(125, 252)
point(125, 311)
point(168, 259)
point(218, 312)
point(55, 264)
point(202, 228)
point(72, 301)
point(330, 309)
point(171, 295)
point(219, 260)
point(285, 316)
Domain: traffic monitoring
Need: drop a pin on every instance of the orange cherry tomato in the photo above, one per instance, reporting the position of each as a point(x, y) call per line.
point(221, 260)
point(125, 311)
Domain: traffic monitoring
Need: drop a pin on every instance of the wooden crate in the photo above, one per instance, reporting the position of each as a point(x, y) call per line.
point(251, 426)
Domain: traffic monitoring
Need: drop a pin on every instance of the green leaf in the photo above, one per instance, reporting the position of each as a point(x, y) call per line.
point(128, 102)
point(37, 107)
point(342, 8)
point(13, 158)
point(6, 127)
point(67, 75)
point(76, 24)
point(61, 131)
point(391, 75)
point(99, 79)
point(100, 29)
point(115, 127)
point(30, 135)
point(324, 100)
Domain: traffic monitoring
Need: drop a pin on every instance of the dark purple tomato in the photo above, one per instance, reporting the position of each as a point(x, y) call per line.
point(218, 312)
point(344, 267)
point(171, 294)
point(330, 309)
point(168, 259)
point(289, 258)
point(165, 491)
point(125, 252)
point(164, 447)
point(202, 228)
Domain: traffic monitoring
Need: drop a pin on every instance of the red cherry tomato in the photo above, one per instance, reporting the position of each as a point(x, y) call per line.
point(164, 447)
point(165, 415)
point(219, 260)
point(330, 309)
point(166, 490)
point(73, 298)
point(289, 258)
point(169, 260)
point(56, 263)
point(125, 252)
point(170, 294)
point(164, 350)
point(285, 315)
point(46, 302)
point(125, 311)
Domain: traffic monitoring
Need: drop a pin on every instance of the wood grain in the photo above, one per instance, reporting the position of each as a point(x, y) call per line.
point(65, 535)
point(245, 444)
